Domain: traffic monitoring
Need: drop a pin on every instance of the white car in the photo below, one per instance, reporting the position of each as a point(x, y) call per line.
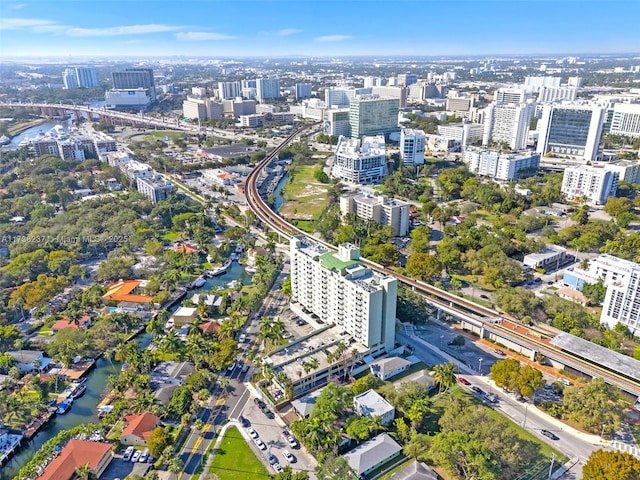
point(252, 432)
point(242, 338)
point(277, 468)
point(128, 453)
point(136, 456)
point(260, 444)
point(292, 441)
point(144, 456)
point(287, 455)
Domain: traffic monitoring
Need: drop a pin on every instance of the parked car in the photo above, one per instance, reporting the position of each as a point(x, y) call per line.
point(549, 434)
point(252, 433)
point(272, 458)
point(288, 456)
point(242, 338)
point(500, 353)
point(463, 381)
point(259, 403)
point(260, 444)
point(144, 456)
point(128, 453)
point(477, 390)
point(136, 456)
point(245, 368)
point(293, 443)
point(277, 468)
point(243, 421)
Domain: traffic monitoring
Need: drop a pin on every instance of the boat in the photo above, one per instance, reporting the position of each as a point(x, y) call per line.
point(199, 282)
point(65, 406)
point(105, 409)
point(78, 392)
point(221, 269)
point(250, 269)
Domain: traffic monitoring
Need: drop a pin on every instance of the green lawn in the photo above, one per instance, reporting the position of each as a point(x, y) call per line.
point(304, 198)
point(234, 459)
point(160, 134)
point(171, 236)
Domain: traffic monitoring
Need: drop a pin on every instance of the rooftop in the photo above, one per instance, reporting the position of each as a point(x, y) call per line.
point(388, 365)
point(73, 455)
point(331, 260)
point(304, 405)
point(605, 357)
point(372, 404)
point(140, 425)
point(371, 453)
point(120, 291)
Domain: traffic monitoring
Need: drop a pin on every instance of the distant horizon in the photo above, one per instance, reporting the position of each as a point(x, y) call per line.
point(321, 29)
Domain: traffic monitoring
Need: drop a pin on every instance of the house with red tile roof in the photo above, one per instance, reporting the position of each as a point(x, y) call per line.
point(186, 248)
point(126, 291)
point(209, 327)
point(66, 322)
point(138, 429)
point(75, 454)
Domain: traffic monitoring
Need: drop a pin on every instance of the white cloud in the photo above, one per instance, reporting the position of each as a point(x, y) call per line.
point(18, 6)
point(202, 36)
point(22, 23)
point(122, 30)
point(285, 32)
point(332, 38)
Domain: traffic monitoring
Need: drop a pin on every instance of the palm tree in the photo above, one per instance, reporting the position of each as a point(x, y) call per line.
point(175, 465)
point(224, 383)
point(84, 472)
point(444, 375)
point(171, 344)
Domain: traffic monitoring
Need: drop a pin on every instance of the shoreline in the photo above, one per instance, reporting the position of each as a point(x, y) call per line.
point(21, 127)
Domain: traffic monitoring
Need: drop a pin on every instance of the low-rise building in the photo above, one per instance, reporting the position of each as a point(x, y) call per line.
point(371, 404)
point(185, 315)
point(29, 361)
point(501, 166)
point(596, 184)
point(156, 188)
point(389, 367)
point(76, 453)
point(138, 429)
point(380, 209)
point(254, 120)
point(372, 454)
point(549, 257)
point(127, 291)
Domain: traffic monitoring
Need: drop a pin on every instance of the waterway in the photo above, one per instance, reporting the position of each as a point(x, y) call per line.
point(83, 410)
point(34, 131)
point(277, 193)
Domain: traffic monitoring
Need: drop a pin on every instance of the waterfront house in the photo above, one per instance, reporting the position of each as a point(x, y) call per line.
point(83, 322)
point(75, 454)
point(184, 315)
point(29, 361)
point(138, 429)
point(127, 291)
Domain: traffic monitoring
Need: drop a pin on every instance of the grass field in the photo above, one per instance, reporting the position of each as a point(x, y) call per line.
point(304, 198)
point(160, 134)
point(234, 459)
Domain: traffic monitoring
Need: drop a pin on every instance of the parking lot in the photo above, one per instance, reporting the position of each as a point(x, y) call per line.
point(270, 431)
point(118, 468)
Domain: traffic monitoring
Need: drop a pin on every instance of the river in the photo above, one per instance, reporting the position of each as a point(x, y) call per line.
point(34, 131)
point(277, 192)
point(82, 411)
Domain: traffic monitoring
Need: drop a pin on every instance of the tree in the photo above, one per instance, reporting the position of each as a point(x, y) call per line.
point(505, 373)
point(288, 474)
point(358, 427)
point(444, 375)
point(114, 268)
point(175, 465)
point(334, 468)
point(605, 465)
point(159, 439)
point(418, 446)
point(615, 206)
point(70, 343)
point(518, 301)
point(595, 292)
point(84, 472)
point(365, 383)
point(593, 405)
point(424, 266)
point(420, 237)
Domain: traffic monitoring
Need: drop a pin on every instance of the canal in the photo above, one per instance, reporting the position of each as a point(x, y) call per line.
point(277, 193)
point(35, 131)
point(82, 411)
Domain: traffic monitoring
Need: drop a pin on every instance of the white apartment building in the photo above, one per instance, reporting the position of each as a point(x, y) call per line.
point(622, 280)
point(371, 404)
point(595, 183)
point(254, 120)
point(155, 187)
point(501, 166)
point(134, 169)
point(87, 77)
point(360, 162)
point(628, 171)
point(557, 94)
point(229, 90)
point(267, 88)
point(336, 122)
point(626, 120)
point(572, 130)
point(534, 83)
point(303, 90)
point(380, 209)
point(69, 79)
point(465, 133)
point(135, 98)
point(508, 123)
point(412, 146)
point(338, 289)
point(194, 109)
point(511, 95)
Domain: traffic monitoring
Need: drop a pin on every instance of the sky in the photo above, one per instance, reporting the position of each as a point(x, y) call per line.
point(249, 28)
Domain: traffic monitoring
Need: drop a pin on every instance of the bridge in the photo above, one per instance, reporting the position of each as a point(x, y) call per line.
point(485, 322)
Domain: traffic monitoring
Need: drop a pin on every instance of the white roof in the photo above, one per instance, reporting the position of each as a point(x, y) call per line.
point(372, 403)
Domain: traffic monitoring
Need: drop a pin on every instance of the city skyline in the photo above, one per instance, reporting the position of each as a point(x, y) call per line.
point(297, 28)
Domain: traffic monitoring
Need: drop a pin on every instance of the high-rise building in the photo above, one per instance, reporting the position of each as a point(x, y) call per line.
point(339, 290)
point(373, 82)
point(412, 146)
point(195, 108)
point(360, 162)
point(501, 166)
point(399, 92)
point(511, 95)
point(379, 208)
point(248, 83)
point(622, 281)
point(199, 92)
point(336, 122)
point(342, 96)
point(626, 120)
point(267, 88)
point(594, 183)
point(406, 79)
point(370, 115)
point(557, 94)
point(303, 90)
point(156, 188)
point(69, 79)
point(534, 83)
point(508, 123)
point(86, 77)
point(228, 90)
point(570, 130)
point(134, 78)
point(466, 133)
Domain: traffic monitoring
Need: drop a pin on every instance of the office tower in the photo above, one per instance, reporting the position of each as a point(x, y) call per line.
point(570, 130)
point(195, 109)
point(360, 162)
point(339, 290)
point(626, 120)
point(69, 78)
point(86, 77)
point(303, 90)
point(267, 88)
point(155, 188)
point(199, 91)
point(392, 92)
point(501, 166)
point(336, 122)
point(511, 95)
point(465, 132)
point(406, 79)
point(534, 83)
point(369, 115)
point(134, 78)
point(412, 146)
point(380, 209)
point(508, 124)
point(556, 94)
point(596, 184)
point(229, 90)
point(248, 83)
point(342, 96)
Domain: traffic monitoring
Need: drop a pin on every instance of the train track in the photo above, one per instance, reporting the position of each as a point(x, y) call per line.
point(436, 296)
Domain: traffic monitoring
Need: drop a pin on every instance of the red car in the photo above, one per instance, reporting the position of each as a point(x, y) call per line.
point(463, 381)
